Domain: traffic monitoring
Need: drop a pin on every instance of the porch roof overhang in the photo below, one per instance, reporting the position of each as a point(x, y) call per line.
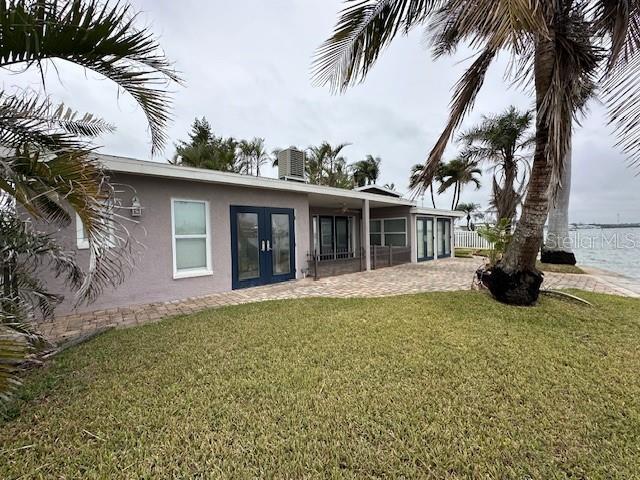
point(436, 212)
point(318, 195)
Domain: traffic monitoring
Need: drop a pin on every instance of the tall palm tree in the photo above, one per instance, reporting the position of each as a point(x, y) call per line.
point(335, 167)
point(316, 159)
point(46, 167)
point(415, 178)
point(260, 155)
point(557, 247)
point(325, 165)
point(457, 173)
point(471, 209)
point(367, 171)
point(559, 48)
point(245, 153)
point(502, 140)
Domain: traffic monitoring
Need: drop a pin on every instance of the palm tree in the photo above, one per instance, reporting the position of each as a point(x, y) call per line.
point(557, 247)
point(415, 178)
point(336, 165)
point(325, 165)
point(457, 173)
point(260, 155)
point(245, 154)
point(46, 167)
point(316, 158)
point(366, 172)
point(502, 140)
point(471, 209)
point(559, 48)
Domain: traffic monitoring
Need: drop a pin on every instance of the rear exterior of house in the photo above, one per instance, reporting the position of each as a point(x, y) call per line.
point(201, 232)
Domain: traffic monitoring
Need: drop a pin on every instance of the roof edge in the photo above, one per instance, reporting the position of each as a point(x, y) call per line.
point(165, 170)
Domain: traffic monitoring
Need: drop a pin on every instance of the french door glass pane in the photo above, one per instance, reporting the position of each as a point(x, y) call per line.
point(189, 218)
point(248, 246)
point(342, 235)
point(421, 238)
point(429, 235)
point(447, 237)
point(281, 253)
point(444, 237)
point(326, 235)
point(191, 253)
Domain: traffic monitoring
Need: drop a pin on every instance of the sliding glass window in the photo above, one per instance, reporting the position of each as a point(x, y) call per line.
point(388, 232)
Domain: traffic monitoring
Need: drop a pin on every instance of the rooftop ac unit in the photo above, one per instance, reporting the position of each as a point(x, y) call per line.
point(291, 163)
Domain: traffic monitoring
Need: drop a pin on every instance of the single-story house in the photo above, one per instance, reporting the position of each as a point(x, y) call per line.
point(207, 231)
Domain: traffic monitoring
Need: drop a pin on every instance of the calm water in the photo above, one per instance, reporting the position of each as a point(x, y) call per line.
point(613, 249)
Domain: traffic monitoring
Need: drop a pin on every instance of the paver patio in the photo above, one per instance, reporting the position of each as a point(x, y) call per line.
point(443, 275)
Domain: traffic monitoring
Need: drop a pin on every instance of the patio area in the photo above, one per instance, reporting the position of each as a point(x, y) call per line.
point(443, 275)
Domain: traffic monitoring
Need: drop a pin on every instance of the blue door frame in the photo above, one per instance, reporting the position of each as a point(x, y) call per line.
point(426, 220)
point(265, 244)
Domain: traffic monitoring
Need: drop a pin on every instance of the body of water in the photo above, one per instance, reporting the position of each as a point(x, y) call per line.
point(613, 249)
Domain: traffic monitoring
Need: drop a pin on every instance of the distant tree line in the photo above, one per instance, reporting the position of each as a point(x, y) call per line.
point(325, 163)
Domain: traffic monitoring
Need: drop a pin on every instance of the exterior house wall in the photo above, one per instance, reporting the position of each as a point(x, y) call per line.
point(152, 278)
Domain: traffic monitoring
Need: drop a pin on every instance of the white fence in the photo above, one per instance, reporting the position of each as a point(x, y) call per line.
point(465, 239)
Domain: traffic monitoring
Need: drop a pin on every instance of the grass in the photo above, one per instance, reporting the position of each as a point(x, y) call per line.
point(553, 268)
point(471, 252)
point(441, 385)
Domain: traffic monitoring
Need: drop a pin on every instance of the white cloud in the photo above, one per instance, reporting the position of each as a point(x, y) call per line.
point(246, 65)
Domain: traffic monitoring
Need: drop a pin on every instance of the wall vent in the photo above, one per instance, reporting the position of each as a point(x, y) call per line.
point(291, 165)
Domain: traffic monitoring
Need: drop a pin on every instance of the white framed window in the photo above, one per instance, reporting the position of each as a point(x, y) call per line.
point(82, 239)
point(191, 238)
point(389, 232)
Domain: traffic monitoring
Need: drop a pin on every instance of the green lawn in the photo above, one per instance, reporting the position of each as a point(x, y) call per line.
point(442, 385)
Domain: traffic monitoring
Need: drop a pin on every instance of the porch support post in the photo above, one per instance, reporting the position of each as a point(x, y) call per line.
point(366, 234)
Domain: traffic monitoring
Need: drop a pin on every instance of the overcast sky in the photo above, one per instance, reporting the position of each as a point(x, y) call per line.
point(246, 66)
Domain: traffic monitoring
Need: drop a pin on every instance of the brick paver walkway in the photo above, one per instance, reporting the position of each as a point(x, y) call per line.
point(443, 275)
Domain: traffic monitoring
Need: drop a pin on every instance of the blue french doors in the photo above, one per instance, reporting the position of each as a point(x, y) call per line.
point(443, 237)
point(425, 238)
point(262, 245)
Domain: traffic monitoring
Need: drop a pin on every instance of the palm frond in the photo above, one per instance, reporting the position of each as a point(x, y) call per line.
point(49, 186)
point(14, 349)
point(98, 36)
point(365, 27)
point(28, 119)
point(576, 63)
point(485, 25)
point(464, 96)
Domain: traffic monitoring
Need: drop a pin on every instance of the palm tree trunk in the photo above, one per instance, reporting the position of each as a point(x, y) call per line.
point(455, 192)
point(557, 248)
point(515, 279)
point(507, 201)
point(433, 200)
point(459, 193)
